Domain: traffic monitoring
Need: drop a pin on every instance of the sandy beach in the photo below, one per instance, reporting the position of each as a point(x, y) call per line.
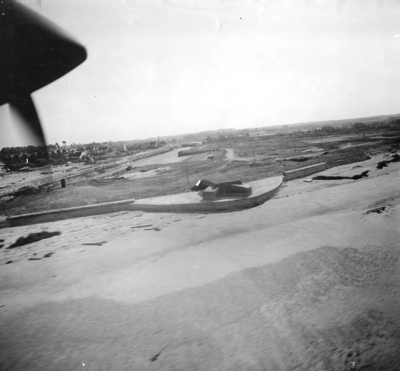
point(310, 280)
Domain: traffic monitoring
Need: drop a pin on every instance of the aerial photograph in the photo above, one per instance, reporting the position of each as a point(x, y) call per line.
point(209, 185)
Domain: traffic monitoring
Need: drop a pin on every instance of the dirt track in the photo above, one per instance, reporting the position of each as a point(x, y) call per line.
point(308, 281)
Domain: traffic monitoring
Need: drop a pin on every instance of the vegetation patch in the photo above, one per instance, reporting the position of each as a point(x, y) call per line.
point(33, 237)
point(382, 164)
point(364, 174)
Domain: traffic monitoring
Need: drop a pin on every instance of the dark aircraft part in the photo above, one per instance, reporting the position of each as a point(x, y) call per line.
point(26, 109)
point(33, 53)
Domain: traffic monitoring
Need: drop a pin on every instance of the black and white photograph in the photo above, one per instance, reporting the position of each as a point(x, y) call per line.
point(209, 185)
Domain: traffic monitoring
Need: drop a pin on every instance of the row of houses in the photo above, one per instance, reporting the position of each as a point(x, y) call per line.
point(15, 161)
point(51, 155)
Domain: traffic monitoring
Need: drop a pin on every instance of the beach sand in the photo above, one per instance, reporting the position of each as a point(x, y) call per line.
point(310, 280)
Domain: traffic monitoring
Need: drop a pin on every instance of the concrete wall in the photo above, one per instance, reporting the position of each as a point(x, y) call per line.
point(304, 171)
point(111, 207)
point(208, 206)
point(68, 213)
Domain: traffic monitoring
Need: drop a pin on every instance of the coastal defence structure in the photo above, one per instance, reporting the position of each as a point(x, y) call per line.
point(190, 202)
point(304, 171)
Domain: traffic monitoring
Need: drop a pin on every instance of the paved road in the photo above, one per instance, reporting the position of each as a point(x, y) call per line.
point(229, 154)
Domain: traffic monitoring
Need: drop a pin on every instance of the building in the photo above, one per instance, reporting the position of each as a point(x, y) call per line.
point(258, 133)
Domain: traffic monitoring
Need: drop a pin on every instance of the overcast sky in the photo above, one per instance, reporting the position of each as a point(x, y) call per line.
point(175, 66)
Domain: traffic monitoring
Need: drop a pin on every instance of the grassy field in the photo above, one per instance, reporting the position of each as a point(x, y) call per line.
point(273, 155)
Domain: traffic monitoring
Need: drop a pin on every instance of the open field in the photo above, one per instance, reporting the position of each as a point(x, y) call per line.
point(247, 159)
point(309, 280)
